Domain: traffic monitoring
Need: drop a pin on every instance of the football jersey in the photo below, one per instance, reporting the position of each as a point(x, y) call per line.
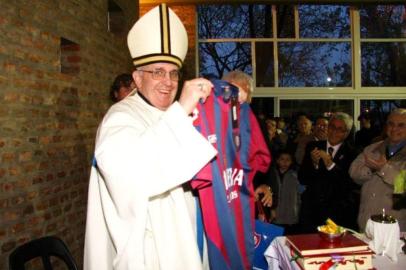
point(225, 184)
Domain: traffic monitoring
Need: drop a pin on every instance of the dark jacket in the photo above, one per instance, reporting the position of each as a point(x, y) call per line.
point(329, 193)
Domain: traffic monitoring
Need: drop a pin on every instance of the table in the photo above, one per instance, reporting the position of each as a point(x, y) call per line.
point(278, 257)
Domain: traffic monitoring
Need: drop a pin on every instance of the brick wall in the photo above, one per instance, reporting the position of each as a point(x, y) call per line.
point(48, 119)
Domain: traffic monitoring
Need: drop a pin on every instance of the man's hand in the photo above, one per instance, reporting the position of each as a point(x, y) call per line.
point(327, 159)
point(315, 155)
point(375, 164)
point(193, 91)
point(267, 192)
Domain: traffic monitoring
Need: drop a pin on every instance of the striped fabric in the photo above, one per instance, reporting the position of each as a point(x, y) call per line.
point(225, 184)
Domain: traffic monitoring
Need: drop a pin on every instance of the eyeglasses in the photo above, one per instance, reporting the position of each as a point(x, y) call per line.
point(160, 74)
point(337, 129)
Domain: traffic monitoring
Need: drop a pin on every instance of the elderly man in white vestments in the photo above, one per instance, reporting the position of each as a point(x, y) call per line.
point(138, 214)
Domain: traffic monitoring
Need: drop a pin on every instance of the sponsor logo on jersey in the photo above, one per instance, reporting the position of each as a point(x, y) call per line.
point(212, 138)
point(232, 178)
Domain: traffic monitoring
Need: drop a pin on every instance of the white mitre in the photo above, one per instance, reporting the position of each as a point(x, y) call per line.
point(158, 36)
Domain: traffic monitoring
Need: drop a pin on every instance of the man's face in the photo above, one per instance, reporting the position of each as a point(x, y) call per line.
point(337, 131)
point(320, 129)
point(271, 126)
point(242, 91)
point(160, 92)
point(304, 125)
point(396, 128)
point(242, 95)
point(124, 91)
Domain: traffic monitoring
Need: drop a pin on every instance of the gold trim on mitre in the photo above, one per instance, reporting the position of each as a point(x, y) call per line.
point(158, 36)
point(145, 60)
point(164, 12)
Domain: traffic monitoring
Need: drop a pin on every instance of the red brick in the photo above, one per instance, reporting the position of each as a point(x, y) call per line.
point(50, 177)
point(31, 195)
point(70, 47)
point(37, 180)
point(35, 220)
point(29, 209)
point(3, 233)
point(61, 174)
point(25, 69)
point(7, 157)
point(9, 67)
point(51, 227)
point(14, 171)
point(25, 156)
point(45, 140)
point(11, 97)
point(7, 187)
point(41, 206)
point(23, 183)
point(17, 200)
point(16, 228)
point(3, 203)
point(10, 215)
point(74, 59)
point(54, 201)
point(16, 142)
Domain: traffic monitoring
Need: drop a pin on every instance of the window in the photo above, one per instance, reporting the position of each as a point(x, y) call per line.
point(314, 64)
point(314, 108)
point(232, 55)
point(379, 109)
point(383, 45)
point(263, 107)
point(115, 18)
point(307, 57)
point(234, 21)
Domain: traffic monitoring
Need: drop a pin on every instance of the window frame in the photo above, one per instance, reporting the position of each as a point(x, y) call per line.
point(356, 92)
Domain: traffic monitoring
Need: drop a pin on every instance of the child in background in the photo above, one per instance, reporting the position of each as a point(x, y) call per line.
point(286, 213)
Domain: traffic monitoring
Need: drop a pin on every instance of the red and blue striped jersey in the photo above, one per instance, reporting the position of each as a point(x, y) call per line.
point(225, 184)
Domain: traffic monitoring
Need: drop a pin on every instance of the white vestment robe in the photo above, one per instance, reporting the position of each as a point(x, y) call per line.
point(137, 216)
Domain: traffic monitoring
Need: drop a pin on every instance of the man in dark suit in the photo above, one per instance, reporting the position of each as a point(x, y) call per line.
point(330, 192)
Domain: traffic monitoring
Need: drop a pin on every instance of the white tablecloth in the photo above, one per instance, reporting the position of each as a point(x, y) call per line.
point(278, 257)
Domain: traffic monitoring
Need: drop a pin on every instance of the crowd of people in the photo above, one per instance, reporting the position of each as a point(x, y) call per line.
point(143, 213)
point(331, 175)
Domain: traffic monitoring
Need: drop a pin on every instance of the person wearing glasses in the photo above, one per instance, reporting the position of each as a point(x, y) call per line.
point(139, 215)
point(376, 169)
point(329, 192)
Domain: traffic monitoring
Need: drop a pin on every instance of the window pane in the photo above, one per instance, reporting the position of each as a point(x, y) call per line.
point(380, 21)
point(383, 64)
point(324, 21)
point(315, 64)
point(291, 109)
point(217, 59)
point(285, 21)
point(265, 64)
point(263, 106)
point(234, 21)
point(379, 109)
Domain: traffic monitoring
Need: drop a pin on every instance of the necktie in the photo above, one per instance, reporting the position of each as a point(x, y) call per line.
point(330, 151)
